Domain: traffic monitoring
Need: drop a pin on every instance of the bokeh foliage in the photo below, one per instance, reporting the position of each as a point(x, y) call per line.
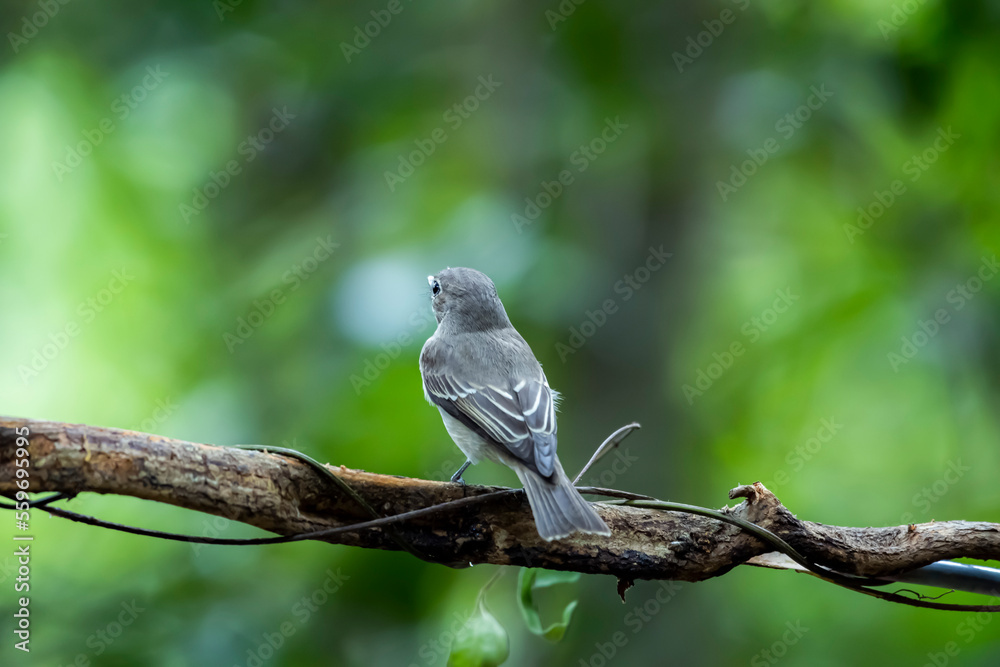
point(694, 92)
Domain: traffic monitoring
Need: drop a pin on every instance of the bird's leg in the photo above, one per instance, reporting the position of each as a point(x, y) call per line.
point(457, 477)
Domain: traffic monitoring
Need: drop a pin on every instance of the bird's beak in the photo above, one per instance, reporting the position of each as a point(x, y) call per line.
point(430, 280)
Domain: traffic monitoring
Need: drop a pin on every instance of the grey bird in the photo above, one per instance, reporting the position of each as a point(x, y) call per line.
point(495, 400)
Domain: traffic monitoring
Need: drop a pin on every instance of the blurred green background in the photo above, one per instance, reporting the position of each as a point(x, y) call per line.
point(216, 219)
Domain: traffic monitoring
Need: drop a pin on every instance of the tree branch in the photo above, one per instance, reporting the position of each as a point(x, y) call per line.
point(287, 496)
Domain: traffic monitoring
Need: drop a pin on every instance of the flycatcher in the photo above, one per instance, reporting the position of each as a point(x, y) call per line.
point(495, 401)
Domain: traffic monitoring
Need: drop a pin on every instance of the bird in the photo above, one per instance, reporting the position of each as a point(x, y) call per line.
point(495, 400)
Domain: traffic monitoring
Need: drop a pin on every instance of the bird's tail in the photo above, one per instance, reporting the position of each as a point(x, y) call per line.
point(558, 507)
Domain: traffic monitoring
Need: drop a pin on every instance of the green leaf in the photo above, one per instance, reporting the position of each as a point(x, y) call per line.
point(528, 581)
point(482, 641)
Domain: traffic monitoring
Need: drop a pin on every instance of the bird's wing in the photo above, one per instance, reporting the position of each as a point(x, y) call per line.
point(518, 415)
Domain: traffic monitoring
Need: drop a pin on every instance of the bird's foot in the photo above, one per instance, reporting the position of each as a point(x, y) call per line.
point(457, 477)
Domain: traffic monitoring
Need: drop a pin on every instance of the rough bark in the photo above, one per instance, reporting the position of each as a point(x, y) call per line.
point(286, 496)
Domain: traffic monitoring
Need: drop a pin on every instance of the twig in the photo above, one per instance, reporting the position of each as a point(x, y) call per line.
point(292, 498)
point(610, 443)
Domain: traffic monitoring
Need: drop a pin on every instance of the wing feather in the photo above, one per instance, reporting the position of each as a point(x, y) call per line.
point(501, 415)
point(517, 413)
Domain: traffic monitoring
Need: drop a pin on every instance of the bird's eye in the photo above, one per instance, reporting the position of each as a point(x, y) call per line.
point(435, 288)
